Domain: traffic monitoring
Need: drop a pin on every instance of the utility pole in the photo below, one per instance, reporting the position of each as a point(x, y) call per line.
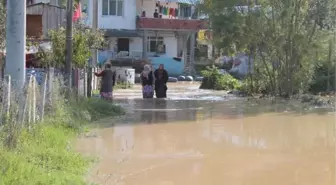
point(94, 60)
point(68, 68)
point(16, 42)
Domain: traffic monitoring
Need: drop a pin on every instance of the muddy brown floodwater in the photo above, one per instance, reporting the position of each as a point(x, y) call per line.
point(201, 138)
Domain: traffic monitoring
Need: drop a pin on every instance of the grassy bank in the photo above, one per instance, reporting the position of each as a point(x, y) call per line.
point(43, 154)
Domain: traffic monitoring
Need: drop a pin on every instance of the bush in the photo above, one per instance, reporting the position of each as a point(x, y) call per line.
point(322, 81)
point(213, 79)
point(94, 109)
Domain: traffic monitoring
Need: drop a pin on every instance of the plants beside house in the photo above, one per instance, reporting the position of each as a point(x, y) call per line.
point(214, 79)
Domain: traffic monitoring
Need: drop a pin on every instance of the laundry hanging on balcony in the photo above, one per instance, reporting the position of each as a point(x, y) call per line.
point(181, 1)
point(171, 8)
point(171, 12)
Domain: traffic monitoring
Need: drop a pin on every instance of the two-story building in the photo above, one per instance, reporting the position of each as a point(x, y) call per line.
point(160, 31)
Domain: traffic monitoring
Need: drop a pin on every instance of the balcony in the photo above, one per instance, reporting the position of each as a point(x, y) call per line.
point(146, 23)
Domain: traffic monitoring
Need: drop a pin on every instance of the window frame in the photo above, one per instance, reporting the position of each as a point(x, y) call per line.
point(117, 11)
point(156, 40)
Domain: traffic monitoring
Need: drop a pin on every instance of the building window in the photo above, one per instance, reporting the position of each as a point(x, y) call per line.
point(113, 7)
point(185, 11)
point(156, 44)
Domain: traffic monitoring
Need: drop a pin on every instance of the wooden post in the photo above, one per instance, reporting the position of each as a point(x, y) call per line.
point(192, 53)
point(44, 95)
point(34, 98)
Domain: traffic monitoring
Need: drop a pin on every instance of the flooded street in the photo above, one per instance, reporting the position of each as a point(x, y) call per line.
point(199, 137)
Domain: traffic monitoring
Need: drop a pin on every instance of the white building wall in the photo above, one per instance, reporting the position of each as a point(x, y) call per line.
point(132, 8)
point(127, 21)
point(89, 13)
point(171, 46)
point(136, 44)
point(169, 40)
point(52, 2)
point(149, 7)
point(41, 1)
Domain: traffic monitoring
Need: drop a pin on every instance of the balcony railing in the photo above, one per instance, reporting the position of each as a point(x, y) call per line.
point(171, 24)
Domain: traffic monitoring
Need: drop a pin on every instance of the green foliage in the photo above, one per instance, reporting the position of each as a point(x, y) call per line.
point(2, 26)
point(323, 82)
point(95, 109)
point(43, 157)
point(324, 73)
point(84, 40)
point(63, 3)
point(285, 38)
point(213, 79)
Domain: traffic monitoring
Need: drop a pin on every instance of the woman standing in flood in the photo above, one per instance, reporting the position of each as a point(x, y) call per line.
point(161, 79)
point(147, 82)
point(107, 82)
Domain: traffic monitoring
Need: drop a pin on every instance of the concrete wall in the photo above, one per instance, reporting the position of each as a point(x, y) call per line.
point(136, 43)
point(127, 21)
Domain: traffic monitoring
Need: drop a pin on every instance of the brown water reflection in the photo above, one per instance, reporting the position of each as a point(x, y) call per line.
point(214, 143)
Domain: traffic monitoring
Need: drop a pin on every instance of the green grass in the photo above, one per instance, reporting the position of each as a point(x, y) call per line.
point(44, 154)
point(44, 157)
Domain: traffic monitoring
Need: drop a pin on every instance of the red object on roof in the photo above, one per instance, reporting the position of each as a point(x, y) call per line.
point(77, 13)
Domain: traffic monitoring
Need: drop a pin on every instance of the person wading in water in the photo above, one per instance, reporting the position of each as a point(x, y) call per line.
point(107, 82)
point(147, 82)
point(161, 79)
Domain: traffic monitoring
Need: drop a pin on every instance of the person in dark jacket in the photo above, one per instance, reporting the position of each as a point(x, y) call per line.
point(107, 82)
point(147, 82)
point(161, 79)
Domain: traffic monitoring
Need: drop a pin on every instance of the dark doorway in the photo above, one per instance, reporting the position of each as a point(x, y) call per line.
point(123, 44)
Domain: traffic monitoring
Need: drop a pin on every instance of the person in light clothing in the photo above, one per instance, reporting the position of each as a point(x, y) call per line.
point(147, 82)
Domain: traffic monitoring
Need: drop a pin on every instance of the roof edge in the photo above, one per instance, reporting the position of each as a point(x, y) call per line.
point(42, 3)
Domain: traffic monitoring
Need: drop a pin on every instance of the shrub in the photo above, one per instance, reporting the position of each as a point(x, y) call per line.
point(214, 79)
point(322, 80)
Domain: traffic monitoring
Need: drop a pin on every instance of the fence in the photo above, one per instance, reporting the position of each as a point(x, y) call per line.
point(28, 105)
point(79, 78)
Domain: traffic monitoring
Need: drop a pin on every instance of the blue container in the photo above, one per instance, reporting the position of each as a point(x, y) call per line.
point(173, 66)
point(103, 56)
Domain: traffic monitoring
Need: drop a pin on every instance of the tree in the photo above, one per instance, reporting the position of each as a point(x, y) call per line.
point(285, 39)
point(2, 26)
point(2, 34)
point(84, 40)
